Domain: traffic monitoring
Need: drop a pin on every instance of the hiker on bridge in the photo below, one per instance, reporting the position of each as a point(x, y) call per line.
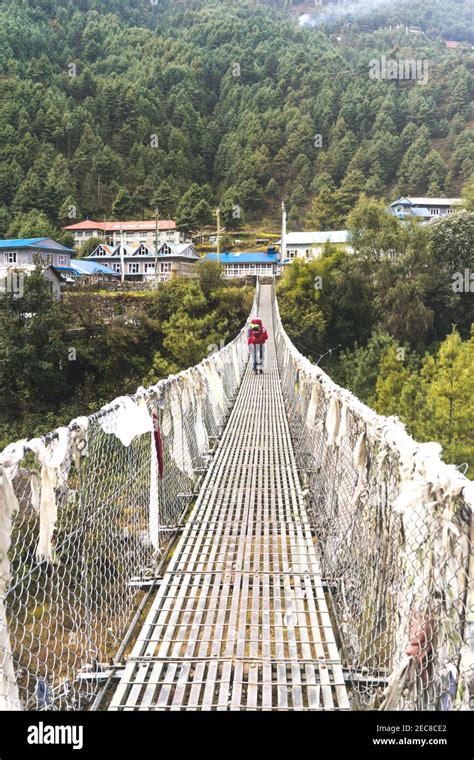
point(256, 337)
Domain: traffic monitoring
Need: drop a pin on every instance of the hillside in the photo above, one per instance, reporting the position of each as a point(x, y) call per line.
point(438, 19)
point(120, 106)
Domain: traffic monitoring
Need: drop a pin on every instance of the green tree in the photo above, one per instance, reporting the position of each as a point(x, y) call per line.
point(348, 194)
point(122, 207)
point(322, 214)
point(435, 170)
point(160, 368)
point(452, 249)
point(468, 194)
point(359, 368)
point(30, 194)
point(231, 211)
point(271, 190)
point(448, 390)
point(375, 232)
point(31, 224)
point(299, 307)
point(210, 275)
point(194, 210)
point(397, 387)
point(88, 246)
point(68, 212)
point(400, 303)
point(164, 199)
point(5, 219)
point(33, 352)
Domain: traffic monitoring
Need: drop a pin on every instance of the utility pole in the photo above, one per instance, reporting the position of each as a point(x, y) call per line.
point(218, 215)
point(156, 243)
point(122, 260)
point(283, 233)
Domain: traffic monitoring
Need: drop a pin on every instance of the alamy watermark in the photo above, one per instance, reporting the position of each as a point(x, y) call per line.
point(400, 68)
point(13, 283)
point(214, 348)
point(463, 282)
point(46, 734)
point(400, 353)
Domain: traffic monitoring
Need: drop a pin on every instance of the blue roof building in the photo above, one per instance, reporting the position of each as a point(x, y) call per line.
point(249, 263)
point(92, 268)
point(424, 209)
point(27, 253)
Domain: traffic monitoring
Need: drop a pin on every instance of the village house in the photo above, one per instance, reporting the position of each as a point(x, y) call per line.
point(128, 232)
point(26, 253)
point(79, 272)
point(263, 264)
point(310, 245)
point(138, 262)
point(55, 261)
point(425, 209)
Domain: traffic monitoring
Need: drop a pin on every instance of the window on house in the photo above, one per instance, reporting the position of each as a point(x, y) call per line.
point(166, 249)
point(149, 267)
point(10, 257)
point(434, 211)
point(116, 267)
point(134, 267)
point(165, 266)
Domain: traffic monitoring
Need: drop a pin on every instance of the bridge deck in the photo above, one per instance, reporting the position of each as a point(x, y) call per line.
point(240, 620)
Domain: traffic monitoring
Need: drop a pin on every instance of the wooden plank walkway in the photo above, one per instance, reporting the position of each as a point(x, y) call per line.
point(240, 620)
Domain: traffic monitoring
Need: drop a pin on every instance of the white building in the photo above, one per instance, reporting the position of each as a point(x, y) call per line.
point(425, 209)
point(27, 253)
point(309, 245)
point(139, 262)
point(131, 232)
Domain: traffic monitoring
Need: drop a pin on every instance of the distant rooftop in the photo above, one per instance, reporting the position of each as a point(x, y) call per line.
point(41, 243)
point(125, 226)
point(180, 250)
point(91, 267)
point(308, 238)
point(248, 257)
point(427, 201)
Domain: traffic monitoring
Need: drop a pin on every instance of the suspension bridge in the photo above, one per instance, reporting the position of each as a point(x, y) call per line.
point(232, 541)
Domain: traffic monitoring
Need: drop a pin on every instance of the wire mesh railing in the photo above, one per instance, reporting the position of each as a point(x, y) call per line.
point(394, 525)
point(86, 516)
